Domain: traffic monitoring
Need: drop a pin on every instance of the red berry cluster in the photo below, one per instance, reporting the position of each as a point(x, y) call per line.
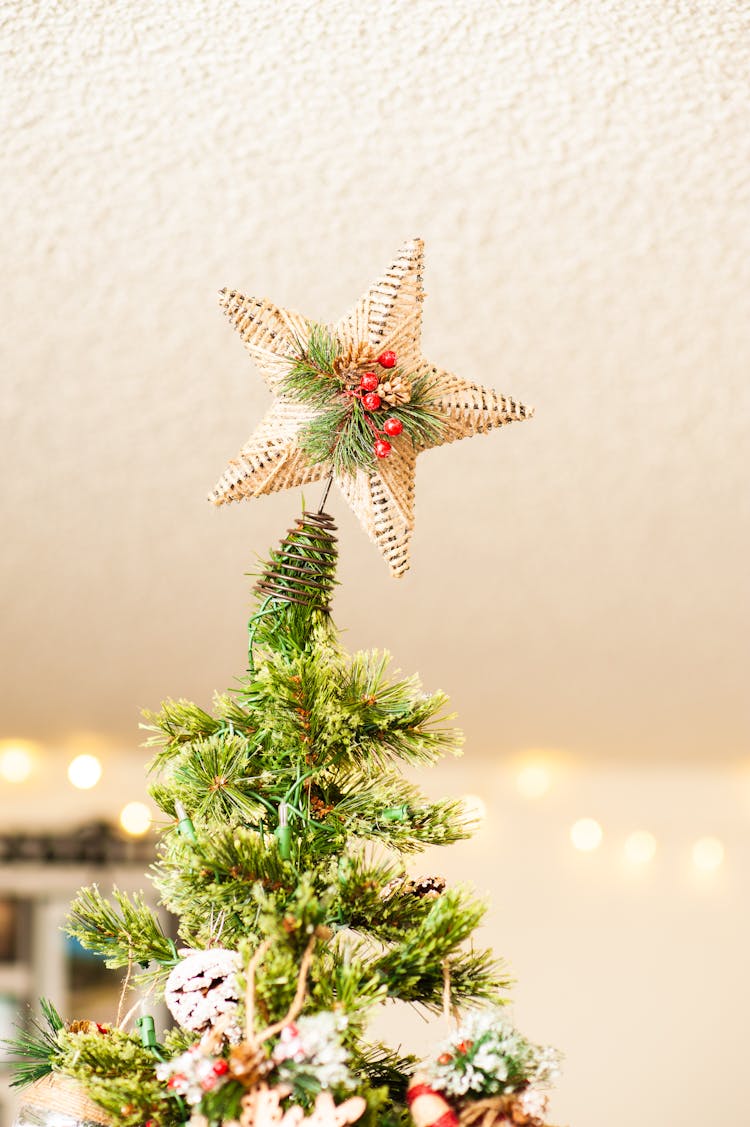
point(371, 401)
point(462, 1047)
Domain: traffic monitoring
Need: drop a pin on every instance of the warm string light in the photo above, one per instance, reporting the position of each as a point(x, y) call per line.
point(135, 819)
point(586, 835)
point(533, 780)
point(708, 854)
point(639, 848)
point(84, 772)
point(16, 760)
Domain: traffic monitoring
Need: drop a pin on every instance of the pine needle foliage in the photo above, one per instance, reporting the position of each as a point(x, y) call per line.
point(340, 430)
point(124, 933)
point(34, 1052)
point(118, 1074)
point(289, 825)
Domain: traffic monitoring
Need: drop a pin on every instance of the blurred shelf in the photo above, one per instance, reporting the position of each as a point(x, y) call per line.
point(40, 875)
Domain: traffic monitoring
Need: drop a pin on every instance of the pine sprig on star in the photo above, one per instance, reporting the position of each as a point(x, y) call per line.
point(342, 431)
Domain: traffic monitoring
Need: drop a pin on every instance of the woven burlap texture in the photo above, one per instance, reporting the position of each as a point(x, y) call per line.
point(498, 1111)
point(387, 317)
point(64, 1095)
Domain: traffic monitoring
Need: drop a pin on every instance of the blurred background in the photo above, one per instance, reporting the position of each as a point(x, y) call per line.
point(579, 584)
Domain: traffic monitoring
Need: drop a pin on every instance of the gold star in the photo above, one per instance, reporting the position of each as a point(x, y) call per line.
point(387, 318)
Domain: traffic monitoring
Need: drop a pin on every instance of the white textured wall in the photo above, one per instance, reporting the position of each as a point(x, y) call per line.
point(579, 171)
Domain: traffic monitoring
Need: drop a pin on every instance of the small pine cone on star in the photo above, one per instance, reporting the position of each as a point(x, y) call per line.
point(395, 391)
point(350, 364)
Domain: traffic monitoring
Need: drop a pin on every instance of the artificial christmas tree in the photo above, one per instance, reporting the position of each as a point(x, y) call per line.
point(289, 822)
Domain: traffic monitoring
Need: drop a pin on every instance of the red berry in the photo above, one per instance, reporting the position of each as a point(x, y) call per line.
point(176, 1081)
point(445, 1058)
point(369, 381)
point(371, 401)
point(221, 1067)
point(393, 427)
point(207, 1083)
point(387, 359)
point(464, 1046)
point(382, 448)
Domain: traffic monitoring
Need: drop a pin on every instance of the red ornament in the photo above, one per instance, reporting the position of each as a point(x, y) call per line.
point(371, 401)
point(393, 427)
point(176, 1081)
point(221, 1067)
point(382, 448)
point(369, 381)
point(207, 1083)
point(445, 1058)
point(387, 359)
point(150, 1123)
point(428, 1108)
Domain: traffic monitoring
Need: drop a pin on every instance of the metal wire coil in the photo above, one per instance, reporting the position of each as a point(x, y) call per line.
point(302, 570)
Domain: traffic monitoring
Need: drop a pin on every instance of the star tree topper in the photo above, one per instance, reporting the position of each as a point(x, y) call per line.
point(355, 401)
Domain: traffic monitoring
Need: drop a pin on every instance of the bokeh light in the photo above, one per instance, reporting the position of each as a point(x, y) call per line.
point(533, 780)
point(640, 847)
point(16, 760)
point(84, 771)
point(708, 854)
point(135, 818)
point(586, 834)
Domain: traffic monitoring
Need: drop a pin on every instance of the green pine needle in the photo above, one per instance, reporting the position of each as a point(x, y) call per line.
point(35, 1051)
point(341, 432)
point(121, 935)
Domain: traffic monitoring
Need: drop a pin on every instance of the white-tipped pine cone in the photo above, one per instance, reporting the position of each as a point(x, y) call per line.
point(202, 990)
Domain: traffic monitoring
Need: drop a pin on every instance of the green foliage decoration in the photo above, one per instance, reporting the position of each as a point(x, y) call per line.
point(340, 431)
point(315, 741)
point(33, 1052)
point(118, 1074)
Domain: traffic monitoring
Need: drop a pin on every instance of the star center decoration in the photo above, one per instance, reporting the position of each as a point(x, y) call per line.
point(356, 402)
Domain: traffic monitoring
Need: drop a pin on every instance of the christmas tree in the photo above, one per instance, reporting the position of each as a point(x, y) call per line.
point(289, 821)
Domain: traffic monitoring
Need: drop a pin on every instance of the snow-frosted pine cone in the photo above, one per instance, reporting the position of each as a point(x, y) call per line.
point(202, 989)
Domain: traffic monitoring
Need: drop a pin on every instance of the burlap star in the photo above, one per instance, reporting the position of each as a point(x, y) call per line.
point(387, 318)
